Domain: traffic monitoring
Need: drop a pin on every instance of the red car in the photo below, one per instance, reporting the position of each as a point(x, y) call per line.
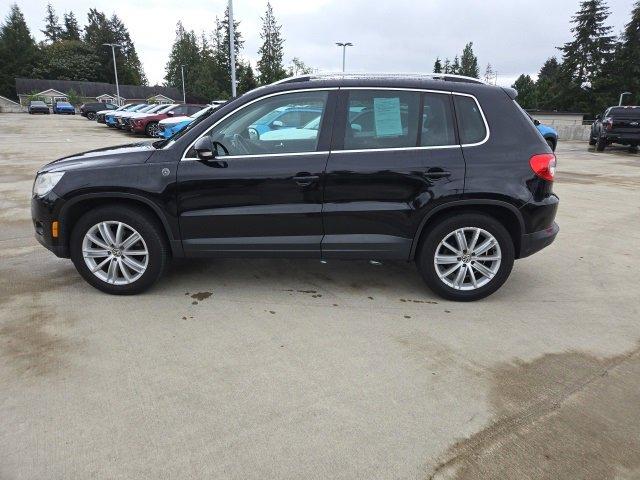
point(149, 123)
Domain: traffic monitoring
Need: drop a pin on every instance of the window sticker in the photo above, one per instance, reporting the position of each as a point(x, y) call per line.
point(388, 121)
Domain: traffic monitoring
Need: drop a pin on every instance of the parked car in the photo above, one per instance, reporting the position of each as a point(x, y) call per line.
point(172, 125)
point(549, 134)
point(285, 117)
point(149, 123)
point(122, 119)
point(111, 118)
point(101, 114)
point(63, 108)
point(462, 197)
point(90, 110)
point(38, 106)
point(616, 125)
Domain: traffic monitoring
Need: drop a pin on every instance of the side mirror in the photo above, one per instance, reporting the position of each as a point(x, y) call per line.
point(204, 148)
point(170, 114)
point(598, 117)
point(536, 122)
point(356, 127)
point(277, 124)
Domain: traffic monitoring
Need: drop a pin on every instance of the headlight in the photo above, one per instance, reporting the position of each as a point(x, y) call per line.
point(45, 182)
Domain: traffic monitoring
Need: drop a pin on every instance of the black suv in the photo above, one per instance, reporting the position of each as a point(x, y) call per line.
point(441, 170)
point(90, 110)
point(616, 125)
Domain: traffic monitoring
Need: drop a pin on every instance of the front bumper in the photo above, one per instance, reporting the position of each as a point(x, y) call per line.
point(536, 241)
point(43, 213)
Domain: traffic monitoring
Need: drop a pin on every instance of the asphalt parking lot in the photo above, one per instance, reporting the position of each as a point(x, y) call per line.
point(274, 369)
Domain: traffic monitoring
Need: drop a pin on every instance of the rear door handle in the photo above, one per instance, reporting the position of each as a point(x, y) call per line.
point(305, 179)
point(436, 173)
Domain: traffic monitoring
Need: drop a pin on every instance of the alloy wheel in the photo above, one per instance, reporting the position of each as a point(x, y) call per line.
point(115, 252)
point(467, 258)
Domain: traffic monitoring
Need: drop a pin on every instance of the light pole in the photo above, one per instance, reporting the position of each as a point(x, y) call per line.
point(622, 96)
point(115, 69)
point(232, 50)
point(344, 46)
point(184, 95)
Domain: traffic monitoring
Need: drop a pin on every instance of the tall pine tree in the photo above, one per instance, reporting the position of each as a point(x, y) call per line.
point(469, 62)
point(526, 89)
point(271, 52)
point(627, 59)
point(52, 29)
point(18, 51)
point(185, 51)
point(71, 29)
point(437, 66)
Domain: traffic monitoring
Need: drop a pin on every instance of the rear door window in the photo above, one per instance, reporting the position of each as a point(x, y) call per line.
point(437, 121)
point(382, 119)
point(471, 124)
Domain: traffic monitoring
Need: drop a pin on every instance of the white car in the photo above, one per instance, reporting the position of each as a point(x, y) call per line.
point(306, 132)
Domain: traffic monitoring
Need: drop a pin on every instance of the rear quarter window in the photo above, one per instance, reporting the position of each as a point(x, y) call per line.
point(471, 126)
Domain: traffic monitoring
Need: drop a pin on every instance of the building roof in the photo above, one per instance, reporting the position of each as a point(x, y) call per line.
point(26, 86)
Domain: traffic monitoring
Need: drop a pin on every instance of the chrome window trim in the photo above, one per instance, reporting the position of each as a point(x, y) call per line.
point(390, 149)
point(284, 92)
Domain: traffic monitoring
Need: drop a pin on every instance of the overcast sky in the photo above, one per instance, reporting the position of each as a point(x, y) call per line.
point(392, 36)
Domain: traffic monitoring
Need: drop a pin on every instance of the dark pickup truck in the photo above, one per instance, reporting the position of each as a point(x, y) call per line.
point(617, 125)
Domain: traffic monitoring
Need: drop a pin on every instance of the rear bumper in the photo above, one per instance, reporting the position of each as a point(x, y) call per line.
point(623, 137)
point(536, 241)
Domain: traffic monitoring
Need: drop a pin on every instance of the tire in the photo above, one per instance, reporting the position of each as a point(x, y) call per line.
point(592, 141)
point(551, 143)
point(151, 129)
point(488, 228)
point(134, 220)
point(91, 116)
point(601, 143)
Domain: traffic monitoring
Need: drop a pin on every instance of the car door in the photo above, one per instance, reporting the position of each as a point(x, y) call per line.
point(257, 197)
point(394, 156)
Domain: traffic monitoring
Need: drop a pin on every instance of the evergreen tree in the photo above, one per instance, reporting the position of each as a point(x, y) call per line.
point(185, 51)
point(592, 44)
point(52, 29)
point(18, 51)
point(469, 62)
point(526, 89)
point(548, 86)
point(446, 67)
point(627, 57)
point(270, 62)
point(71, 30)
point(437, 66)
point(246, 78)
point(455, 66)
point(100, 29)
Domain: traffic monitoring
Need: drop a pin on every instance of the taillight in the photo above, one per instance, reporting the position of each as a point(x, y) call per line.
point(608, 123)
point(544, 165)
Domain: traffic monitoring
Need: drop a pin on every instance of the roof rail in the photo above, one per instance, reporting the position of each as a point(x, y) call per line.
point(346, 76)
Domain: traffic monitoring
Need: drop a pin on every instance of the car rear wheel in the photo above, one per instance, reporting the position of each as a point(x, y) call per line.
point(91, 116)
point(551, 143)
point(601, 143)
point(152, 129)
point(466, 257)
point(118, 250)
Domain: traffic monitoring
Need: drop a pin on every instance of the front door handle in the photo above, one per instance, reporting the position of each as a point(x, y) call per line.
point(305, 179)
point(434, 173)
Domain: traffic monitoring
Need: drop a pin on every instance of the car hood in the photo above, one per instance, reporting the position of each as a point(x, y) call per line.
point(103, 157)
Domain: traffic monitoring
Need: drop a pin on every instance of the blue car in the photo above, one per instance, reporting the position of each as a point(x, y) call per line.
point(168, 127)
point(550, 135)
point(63, 108)
point(285, 117)
point(110, 118)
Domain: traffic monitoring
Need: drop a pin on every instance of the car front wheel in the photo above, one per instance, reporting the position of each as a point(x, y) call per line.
point(466, 257)
point(152, 129)
point(91, 116)
point(119, 250)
